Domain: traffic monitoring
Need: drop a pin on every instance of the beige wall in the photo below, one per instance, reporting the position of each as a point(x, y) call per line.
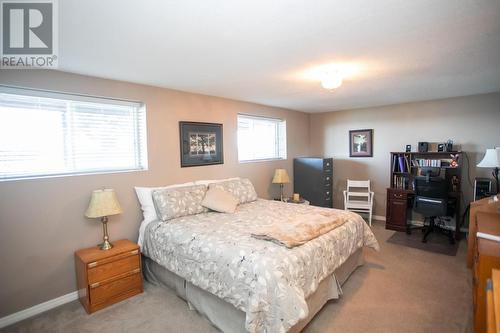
point(42, 222)
point(473, 122)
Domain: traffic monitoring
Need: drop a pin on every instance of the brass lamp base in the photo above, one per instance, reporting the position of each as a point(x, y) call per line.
point(105, 245)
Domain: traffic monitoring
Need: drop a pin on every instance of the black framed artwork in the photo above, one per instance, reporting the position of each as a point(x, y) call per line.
point(361, 143)
point(201, 144)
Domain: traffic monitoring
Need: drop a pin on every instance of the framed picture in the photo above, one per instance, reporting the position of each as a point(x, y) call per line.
point(361, 143)
point(201, 144)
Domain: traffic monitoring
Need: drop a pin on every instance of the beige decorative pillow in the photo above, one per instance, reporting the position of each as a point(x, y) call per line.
point(181, 201)
point(242, 189)
point(219, 200)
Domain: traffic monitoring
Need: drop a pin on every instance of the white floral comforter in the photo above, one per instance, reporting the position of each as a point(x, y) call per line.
point(270, 283)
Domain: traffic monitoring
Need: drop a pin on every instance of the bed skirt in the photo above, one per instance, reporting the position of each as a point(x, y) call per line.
point(224, 315)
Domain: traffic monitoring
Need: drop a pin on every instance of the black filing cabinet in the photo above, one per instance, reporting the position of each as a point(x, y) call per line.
point(313, 180)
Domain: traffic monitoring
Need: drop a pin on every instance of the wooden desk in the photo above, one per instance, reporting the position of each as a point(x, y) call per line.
point(405, 166)
point(483, 205)
point(486, 256)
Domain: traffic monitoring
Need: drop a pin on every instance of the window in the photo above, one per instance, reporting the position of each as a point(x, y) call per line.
point(261, 138)
point(49, 134)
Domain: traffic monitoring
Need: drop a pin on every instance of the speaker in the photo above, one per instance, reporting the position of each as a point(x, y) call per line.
point(482, 188)
point(423, 147)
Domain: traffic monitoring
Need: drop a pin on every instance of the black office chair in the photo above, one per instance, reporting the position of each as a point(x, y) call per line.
point(431, 198)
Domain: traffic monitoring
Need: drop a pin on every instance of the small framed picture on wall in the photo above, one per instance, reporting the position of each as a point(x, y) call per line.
point(361, 143)
point(201, 144)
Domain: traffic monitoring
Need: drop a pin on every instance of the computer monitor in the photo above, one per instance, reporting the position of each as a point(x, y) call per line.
point(430, 171)
point(431, 187)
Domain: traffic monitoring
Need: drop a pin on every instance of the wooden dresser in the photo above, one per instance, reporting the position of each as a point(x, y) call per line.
point(483, 205)
point(486, 256)
point(493, 303)
point(107, 277)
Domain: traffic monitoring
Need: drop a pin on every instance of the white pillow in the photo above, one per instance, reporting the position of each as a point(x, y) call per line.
point(219, 200)
point(145, 196)
point(208, 182)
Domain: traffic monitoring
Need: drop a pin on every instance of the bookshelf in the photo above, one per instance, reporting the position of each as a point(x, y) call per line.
point(405, 166)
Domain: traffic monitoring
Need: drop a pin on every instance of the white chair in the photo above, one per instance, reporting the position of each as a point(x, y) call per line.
point(359, 198)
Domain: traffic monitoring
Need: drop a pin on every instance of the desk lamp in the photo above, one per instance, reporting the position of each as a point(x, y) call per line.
point(492, 160)
point(103, 203)
point(281, 177)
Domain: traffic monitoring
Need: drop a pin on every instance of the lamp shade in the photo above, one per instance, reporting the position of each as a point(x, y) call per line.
point(280, 176)
point(103, 203)
point(491, 159)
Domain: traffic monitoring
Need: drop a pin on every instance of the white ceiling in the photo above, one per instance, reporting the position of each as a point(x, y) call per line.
point(258, 50)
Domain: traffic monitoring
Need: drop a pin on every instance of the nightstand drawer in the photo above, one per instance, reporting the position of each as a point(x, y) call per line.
point(103, 272)
point(108, 277)
point(104, 292)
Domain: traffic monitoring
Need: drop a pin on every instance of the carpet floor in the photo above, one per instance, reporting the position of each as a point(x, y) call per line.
point(399, 289)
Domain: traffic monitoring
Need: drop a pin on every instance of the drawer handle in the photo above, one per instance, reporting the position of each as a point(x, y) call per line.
point(327, 178)
point(92, 264)
point(398, 196)
point(137, 270)
point(327, 192)
point(94, 285)
point(134, 252)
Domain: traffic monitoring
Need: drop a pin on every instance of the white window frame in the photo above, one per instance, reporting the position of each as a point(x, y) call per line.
point(141, 153)
point(280, 136)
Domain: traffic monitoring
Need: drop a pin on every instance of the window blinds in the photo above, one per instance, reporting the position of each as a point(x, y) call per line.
point(50, 134)
point(261, 138)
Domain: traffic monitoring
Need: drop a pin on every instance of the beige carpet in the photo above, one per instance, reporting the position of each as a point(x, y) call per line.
point(400, 289)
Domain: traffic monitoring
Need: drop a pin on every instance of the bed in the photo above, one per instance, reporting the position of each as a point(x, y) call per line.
point(244, 284)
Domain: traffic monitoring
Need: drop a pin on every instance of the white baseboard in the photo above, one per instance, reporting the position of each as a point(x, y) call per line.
point(37, 309)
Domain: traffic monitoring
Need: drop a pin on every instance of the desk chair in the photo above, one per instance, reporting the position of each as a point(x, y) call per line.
point(359, 198)
point(431, 198)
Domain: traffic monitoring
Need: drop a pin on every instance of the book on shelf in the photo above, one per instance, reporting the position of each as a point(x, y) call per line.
point(407, 163)
point(400, 182)
point(401, 164)
point(428, 163)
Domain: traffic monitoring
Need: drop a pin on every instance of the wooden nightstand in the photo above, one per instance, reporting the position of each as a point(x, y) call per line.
point(107, 277)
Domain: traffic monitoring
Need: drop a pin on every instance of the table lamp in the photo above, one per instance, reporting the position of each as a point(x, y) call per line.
point(103, 203)
point(492, 160)
point(281, 177)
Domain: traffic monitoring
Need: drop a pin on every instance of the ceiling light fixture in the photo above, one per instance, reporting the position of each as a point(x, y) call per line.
point(331, 80)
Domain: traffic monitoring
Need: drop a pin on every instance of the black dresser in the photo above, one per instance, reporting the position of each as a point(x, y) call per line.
point(313, 179)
